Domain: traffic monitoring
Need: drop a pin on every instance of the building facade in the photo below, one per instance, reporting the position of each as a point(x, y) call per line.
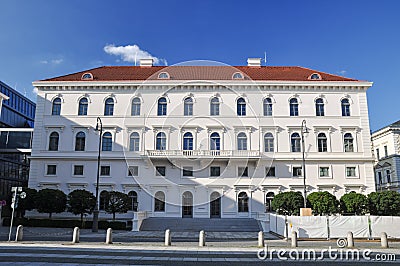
point(386, 148)
point(16, 130)
point(202, 141)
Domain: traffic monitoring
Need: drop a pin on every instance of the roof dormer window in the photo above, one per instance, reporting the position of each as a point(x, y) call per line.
point(87, 76)
point(237, 75)
point(315, 76)
point(163, 75)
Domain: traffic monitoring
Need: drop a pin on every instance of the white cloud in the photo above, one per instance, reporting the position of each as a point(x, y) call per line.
point(342, 72)
point(35, 90)
point(130, 53)
point(52, 61)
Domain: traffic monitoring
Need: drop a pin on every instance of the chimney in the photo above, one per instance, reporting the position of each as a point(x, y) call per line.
point(254, 62)
point(146, 62)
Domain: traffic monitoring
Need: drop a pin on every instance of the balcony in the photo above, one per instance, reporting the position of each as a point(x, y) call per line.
point(203, 153)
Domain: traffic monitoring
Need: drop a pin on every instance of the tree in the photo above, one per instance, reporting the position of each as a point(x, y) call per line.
point(354, 203)
point(51, 201)
point(81, 202)
point(384, 203)
point(117, 202)
point(29, 202)
point(288, 203)
point(323, 203)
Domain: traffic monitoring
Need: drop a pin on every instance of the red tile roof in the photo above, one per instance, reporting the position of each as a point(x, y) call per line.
point(137, 73)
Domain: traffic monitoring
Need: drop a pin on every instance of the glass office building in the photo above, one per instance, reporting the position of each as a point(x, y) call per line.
point(16, 129)
point(17, 111)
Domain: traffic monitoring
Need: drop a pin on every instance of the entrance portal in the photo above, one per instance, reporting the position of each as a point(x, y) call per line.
point(215, 205)
point(187, 205)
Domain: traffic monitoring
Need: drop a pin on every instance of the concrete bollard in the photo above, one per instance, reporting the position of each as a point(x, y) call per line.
point(261, 242)
point(75, 235)
point(294, 239)
point(350, 240)
point(167, 240)
point(20, 233)
point(202, 239)
point(109, 236)
point(384, 240)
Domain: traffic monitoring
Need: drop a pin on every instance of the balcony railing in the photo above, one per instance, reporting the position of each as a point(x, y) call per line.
point(203, 153)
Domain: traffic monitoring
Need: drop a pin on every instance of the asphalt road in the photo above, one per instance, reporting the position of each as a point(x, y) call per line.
point(25, 255)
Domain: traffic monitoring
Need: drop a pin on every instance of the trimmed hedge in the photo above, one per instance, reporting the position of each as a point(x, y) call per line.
point(54, 223)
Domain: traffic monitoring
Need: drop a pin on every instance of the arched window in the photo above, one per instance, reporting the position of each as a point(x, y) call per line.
point(56, 108)
point(322, 143)
point(267, 107)
point(243, 202)
point(159, 201)
point(163, 75)
point(315, 76)
point(109, 107)
point(188, 106)
point(348, 143)
point(294, 107)
point(80, 140)
point(188, 141)
point(134, 142)
point(214, 106)
point(133, 200)
point(237, 75)
point(53, 141)
point(135, 111)
point(161, 141)
point(83, 106)
point(319, 107)
point(242, 141)
point(215, 142)
point(295, 142)
point(268, 142)
point(106, 142)
point(162, 106)
point(345, 107)
point(103, 200)
point(241, 107)
point(268, 201)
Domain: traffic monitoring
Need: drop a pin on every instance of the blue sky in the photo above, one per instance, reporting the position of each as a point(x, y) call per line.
point(358, 39)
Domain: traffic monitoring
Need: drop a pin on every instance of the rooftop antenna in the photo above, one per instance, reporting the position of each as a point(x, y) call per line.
point(135, 58)
point(265, 58)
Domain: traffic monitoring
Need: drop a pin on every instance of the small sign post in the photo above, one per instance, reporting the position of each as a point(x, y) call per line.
point(14, 205)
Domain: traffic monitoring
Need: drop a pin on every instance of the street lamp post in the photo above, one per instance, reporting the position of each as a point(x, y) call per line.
point(95, 226)
point(303, 131)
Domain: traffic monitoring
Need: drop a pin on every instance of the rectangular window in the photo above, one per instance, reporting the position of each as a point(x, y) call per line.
point(215, 171)
point(160, 170)
point(133, 171)
point(105, 170)
point(386, 151)
point(270, 171)
point(78, 169)
point(297, 171)
point(187, 171)
point(351, 171)
point(243, 171)
point(324, 171)
point(377, 154)
point(51, 169)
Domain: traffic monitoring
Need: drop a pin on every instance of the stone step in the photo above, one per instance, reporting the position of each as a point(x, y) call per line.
point(197, 224)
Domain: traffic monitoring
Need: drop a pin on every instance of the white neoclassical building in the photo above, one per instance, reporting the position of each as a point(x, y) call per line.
point(202, 141)
point(386, 147)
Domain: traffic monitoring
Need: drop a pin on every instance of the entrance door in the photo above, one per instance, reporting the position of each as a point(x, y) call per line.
point(215, 205)
point(187, 205)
